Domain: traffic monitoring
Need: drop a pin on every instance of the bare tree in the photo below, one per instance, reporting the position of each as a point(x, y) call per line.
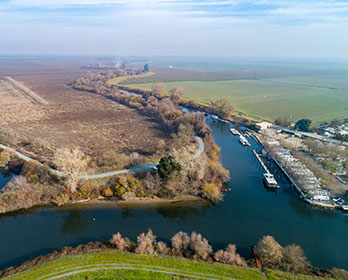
point(294, 259)
point(158, 87)
point(223, 107)
point(180, 243)
point(229, 256)
point(71, 162)
point(176, 93)
point(121, 243)
point(269, 251)
point(146, 243)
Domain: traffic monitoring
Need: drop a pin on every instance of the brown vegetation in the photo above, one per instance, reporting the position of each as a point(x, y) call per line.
point(273, 255)
point(72, 164)
point(71, 118)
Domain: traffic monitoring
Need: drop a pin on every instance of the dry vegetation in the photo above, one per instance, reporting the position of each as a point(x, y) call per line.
point(67, 118)
point(83, 136)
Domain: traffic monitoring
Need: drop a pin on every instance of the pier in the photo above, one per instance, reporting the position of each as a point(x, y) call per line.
point(260, 160)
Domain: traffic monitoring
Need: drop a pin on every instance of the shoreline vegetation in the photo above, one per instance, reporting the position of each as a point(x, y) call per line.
point(178, 173)
point(268, 258)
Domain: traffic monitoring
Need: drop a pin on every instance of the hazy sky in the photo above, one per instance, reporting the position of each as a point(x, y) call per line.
point(253, 28)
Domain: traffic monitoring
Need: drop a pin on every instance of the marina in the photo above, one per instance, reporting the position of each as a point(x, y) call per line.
point(232, 220)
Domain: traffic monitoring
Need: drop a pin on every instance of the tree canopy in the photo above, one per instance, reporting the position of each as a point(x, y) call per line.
point(167, 166)
point(303, 125)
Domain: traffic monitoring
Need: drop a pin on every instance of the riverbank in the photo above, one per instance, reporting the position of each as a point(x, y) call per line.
point(100, 259)
point(140, 201)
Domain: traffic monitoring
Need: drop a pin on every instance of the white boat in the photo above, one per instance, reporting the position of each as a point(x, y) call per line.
point(269, 180)
point(243, 141)
point(234, 131)
point(344, 207)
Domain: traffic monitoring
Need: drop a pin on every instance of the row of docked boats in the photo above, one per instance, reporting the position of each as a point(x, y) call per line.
point(268, 178)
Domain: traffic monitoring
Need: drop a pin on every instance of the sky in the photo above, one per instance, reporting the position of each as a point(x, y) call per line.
point(236, 28)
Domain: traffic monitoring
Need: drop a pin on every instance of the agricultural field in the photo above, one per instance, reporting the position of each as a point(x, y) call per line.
point(111, 264)
point(69, 118)
point(319, 98)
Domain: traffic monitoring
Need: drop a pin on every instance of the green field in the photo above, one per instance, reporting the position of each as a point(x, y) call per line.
point(319, 98)
point(111, 264)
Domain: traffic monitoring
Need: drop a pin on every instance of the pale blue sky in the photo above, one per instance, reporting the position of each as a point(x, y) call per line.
point(251, 28)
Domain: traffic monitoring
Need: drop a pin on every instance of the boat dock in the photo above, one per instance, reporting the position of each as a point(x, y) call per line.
point(235, 131)
point(268, 176)
point(259, 159)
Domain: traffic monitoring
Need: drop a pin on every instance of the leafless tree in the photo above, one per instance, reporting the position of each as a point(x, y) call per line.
point(158, 88)
point(146, 243)
point(294, 259)
point(121, 243)
point(176, 93)
point(71, 162)
point(180, 243)
point(229, 256)
point(269, 251)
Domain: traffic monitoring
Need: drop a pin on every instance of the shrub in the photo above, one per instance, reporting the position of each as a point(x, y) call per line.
point(339, 273)
point(5, 158)
point(19, 194)
point(146, 243)
point(269, 251)
point(108, 192)
point(200, 247)
point(180, 243)
point(294, 259)
point(122, 244)
point(128, 196)
point(229, 256)
point(162, 248)
point(211, 192)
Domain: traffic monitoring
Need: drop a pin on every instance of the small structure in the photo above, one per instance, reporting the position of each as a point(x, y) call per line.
point(263, 125)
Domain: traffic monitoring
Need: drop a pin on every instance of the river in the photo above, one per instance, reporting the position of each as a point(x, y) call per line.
point(247, 213)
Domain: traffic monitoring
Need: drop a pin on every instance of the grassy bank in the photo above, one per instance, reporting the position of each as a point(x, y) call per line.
point(111, 264)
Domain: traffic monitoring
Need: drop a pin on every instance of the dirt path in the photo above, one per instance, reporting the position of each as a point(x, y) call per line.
point(139, 168)
point(147, 268)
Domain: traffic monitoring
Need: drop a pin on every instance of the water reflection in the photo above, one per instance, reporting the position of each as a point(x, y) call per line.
point(75, 222)
point(184, 211)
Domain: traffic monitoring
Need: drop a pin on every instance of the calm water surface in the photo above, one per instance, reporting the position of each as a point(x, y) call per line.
point(247, 213)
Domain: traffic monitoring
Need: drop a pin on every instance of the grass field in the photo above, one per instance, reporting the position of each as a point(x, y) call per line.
point(317, 98)
point(121, 79)
point(112, 264)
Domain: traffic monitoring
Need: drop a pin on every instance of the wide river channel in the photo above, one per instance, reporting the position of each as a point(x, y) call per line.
point(247, 213)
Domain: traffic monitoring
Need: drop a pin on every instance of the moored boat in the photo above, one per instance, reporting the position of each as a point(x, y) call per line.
point(234, 131)
point(243, 141)
point(269, 180)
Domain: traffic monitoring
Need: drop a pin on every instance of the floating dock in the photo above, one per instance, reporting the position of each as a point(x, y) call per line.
point(267, 174)
point(259, 159)
point(235, 131)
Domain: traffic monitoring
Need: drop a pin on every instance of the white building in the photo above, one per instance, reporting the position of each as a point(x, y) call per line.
point(263, 125)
